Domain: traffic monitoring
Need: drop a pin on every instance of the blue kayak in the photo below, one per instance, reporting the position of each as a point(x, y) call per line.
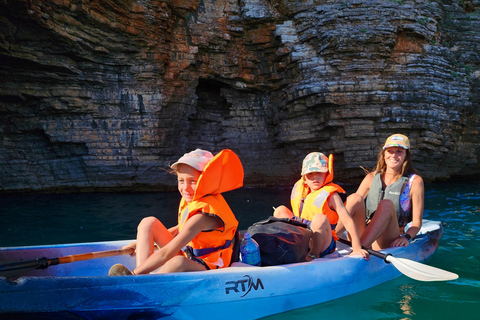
point(83, 290)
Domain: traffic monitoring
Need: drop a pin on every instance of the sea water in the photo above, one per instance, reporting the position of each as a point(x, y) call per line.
point(68, 218)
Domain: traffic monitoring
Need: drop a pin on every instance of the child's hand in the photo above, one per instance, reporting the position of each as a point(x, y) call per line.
point(361, 252)
point(131, 245)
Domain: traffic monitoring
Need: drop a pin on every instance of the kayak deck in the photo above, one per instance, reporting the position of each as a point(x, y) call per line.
point(83, 289)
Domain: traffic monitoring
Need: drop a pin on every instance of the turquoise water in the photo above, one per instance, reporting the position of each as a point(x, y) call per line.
point(49, 219)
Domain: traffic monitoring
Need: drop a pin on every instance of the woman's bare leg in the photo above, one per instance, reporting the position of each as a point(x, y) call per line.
point(383, 228)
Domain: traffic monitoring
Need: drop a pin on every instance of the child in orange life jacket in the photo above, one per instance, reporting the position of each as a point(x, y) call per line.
point(316, 201)
point(202, 240)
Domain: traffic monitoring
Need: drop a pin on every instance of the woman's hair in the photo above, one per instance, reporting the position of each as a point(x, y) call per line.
point(381, 166)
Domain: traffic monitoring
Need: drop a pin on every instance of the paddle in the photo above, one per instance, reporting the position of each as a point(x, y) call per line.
point(42, 263)
point(410, 268)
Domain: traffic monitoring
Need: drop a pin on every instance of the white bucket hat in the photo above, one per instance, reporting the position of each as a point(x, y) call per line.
point(196, 159)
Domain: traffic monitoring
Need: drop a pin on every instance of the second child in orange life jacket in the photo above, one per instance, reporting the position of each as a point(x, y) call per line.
point(203, 237)
point(316, 201)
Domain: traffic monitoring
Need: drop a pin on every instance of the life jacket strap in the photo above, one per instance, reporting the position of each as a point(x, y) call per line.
point(204, 251)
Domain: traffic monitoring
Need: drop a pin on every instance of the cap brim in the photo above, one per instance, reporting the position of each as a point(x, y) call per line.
point(195, 166)
point(395, 145)
point(321, 171)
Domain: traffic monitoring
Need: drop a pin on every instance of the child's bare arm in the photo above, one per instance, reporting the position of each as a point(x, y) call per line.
point(335, 202)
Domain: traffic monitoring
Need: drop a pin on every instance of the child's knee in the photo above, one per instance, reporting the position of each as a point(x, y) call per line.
point(146, 223)
point(282, 212)
point(355, 200)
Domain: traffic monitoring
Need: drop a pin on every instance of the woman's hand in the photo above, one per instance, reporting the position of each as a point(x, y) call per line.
point(401, 241)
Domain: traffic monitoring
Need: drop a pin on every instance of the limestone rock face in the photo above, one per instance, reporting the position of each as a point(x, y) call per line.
point(106, 94)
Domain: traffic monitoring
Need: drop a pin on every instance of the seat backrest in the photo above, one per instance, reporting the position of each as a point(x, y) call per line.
point(236, 248)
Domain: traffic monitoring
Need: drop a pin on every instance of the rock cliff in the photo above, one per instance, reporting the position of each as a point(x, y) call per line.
point(105, 94)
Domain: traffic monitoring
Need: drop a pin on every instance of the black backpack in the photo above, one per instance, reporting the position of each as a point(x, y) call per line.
point(281, 240)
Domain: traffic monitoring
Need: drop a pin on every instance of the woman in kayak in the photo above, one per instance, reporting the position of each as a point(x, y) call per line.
point(316, 201)
point(391, 196)
point(203, 238)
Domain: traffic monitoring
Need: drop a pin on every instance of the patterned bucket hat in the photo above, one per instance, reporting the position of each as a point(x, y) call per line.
point(314, 162)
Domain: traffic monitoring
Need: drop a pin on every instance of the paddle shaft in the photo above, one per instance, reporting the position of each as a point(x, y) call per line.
point(94, 255)
point(42, 263)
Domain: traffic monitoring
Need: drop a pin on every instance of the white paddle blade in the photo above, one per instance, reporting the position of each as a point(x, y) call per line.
point(420, 271)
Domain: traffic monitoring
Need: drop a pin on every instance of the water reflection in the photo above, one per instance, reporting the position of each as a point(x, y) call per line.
point(405, 302)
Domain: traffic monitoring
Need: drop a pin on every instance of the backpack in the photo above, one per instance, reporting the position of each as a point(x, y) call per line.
point(281, 240)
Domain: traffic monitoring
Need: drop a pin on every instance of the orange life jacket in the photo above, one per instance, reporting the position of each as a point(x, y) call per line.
point(306, 204)
point(223, 173)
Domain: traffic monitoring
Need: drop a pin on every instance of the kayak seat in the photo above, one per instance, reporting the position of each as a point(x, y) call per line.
point(236, 248)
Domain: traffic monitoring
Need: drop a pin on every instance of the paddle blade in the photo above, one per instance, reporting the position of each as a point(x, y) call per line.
point(420, 271)
point(40, 263)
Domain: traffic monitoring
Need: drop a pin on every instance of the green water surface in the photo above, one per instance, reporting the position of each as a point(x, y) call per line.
point(70, 218)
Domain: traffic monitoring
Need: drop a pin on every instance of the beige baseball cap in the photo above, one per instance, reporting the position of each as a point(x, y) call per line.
point(397, 140)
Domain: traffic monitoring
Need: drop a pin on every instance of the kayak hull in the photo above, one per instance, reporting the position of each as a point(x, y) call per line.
point(82, 290)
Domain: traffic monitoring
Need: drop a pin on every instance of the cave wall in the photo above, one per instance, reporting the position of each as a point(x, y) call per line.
point(104, 95)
